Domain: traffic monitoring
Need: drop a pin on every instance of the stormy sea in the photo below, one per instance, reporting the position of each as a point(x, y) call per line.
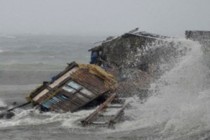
point(177, 109)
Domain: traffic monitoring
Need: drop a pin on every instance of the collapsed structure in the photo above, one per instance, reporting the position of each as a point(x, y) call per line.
point(73, 88)
point(79, 86)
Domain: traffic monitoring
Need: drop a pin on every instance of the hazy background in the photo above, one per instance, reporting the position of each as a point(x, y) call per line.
point(103, 17)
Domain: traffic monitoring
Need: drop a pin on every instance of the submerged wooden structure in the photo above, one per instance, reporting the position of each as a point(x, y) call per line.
point(76, 87)
point(73, 88)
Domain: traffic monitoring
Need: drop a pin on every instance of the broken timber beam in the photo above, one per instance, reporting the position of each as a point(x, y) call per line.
point(92, 116)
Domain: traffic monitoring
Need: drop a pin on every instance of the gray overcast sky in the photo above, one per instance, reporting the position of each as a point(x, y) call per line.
point(98, 17)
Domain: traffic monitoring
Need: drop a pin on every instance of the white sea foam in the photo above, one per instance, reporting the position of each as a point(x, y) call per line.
point(34, 117)
point(30, 117)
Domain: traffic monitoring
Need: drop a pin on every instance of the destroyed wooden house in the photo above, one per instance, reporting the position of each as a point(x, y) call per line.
point(73, 88)
point(77, 87)
point(80, 85)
